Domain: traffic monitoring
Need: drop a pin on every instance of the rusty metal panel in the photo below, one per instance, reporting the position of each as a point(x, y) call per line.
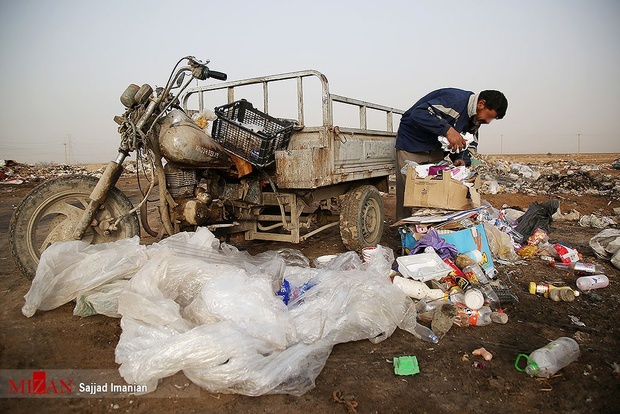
point(303, 168)
point(361, 149)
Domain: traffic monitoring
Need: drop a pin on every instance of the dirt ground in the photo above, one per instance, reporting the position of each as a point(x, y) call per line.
point(448, 382)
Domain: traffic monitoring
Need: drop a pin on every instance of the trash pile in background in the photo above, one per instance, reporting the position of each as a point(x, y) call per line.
point(555, 177)
point(12, 172)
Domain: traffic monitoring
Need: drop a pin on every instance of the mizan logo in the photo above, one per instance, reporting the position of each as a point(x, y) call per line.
point(39, 385)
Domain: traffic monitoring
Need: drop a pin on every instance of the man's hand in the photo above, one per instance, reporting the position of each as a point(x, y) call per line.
point(456, 140)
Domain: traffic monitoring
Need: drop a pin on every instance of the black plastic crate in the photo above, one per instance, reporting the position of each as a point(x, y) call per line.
point(249, 133)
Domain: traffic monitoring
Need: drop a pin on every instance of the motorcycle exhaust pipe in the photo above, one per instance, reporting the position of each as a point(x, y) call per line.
point(108, 180)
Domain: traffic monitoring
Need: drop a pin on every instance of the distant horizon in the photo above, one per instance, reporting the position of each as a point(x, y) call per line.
point(613, 154)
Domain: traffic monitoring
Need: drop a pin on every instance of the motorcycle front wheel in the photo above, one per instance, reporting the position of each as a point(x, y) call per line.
point(51, 211)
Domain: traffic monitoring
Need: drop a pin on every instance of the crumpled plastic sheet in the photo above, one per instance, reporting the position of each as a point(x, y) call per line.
point(102, 300)
point(606, 245)
point(595, 221)
point(67, 268)
point(211, 311)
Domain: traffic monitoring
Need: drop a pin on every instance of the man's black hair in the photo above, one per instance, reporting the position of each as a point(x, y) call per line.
point(495, 100)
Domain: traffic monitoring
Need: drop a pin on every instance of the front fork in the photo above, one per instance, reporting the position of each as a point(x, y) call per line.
point(97, 197)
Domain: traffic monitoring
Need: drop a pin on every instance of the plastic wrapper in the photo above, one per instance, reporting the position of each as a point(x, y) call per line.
point(538, 236)
point(527, 251)
point(434, 240)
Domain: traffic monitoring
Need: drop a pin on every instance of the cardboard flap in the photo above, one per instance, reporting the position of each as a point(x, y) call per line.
point(440, 193)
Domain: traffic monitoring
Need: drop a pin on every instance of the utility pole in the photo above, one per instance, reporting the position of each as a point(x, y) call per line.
point(69, 156)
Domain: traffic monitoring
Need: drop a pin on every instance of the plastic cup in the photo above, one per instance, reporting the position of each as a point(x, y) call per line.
point(368, 253)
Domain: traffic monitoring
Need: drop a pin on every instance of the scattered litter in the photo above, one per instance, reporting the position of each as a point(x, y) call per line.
point(575, 321)
point(15, 173)
point(483, 353)
point(406, 365)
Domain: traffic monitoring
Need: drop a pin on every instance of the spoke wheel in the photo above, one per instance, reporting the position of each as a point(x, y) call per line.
point(51, 211)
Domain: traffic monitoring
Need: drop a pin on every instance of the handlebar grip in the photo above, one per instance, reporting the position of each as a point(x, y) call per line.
point(216, 75)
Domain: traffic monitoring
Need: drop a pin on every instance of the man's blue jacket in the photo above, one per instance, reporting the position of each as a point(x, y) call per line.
point(433, 115)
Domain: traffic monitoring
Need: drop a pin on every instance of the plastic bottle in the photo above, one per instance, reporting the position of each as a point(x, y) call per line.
point(562, 293)
point(416, 289)
point(410, 324)
point(424, 333)
point(546, 361)
point(592, 282)
point(484, 316)
point(579, 268)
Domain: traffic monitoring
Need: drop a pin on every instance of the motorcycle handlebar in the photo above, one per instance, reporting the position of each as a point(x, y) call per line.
point(216, 75)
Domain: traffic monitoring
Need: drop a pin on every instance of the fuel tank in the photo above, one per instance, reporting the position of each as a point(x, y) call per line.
point(184, 143)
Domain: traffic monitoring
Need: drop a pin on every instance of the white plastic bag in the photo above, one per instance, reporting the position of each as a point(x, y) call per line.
point(606, 245)
point(209, 310)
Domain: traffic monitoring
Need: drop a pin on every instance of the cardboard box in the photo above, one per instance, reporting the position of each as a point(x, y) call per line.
point(439, 192)
point(473, 238)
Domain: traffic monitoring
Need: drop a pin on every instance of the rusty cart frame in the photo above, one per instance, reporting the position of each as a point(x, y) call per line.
point(321, 164)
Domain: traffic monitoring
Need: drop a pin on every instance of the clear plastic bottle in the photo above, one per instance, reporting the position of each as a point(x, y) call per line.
point(579, 268)
point(546, 361)
point(410, 324)
point(484, 316)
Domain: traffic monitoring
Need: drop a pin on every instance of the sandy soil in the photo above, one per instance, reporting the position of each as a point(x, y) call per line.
point(448, 381)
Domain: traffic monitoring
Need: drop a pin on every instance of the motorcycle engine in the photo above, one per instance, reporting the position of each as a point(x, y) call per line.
point(197, 204)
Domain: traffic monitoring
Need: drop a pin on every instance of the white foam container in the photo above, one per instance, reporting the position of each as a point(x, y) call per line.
point(423, 266)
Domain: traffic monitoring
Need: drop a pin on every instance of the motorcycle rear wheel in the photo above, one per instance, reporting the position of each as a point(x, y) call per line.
point(50, 212)
point(361, 218)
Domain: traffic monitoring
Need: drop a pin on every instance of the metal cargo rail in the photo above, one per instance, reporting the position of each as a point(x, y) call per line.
point(326, 154)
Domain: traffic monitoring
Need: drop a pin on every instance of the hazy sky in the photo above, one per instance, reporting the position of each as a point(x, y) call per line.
point(64, 63)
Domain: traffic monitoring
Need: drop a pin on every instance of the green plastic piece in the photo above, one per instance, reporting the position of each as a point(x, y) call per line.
point(531, 368)
point(406, 365)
